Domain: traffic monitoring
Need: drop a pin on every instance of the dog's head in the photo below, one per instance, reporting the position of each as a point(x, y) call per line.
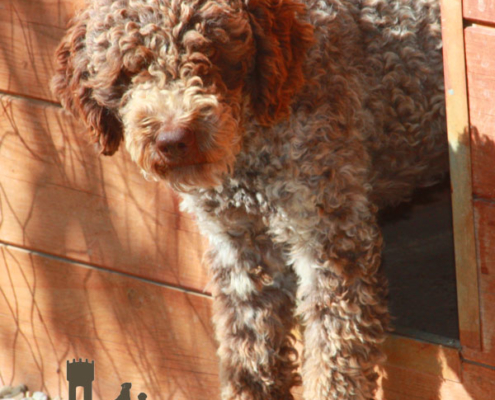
point(176, 78)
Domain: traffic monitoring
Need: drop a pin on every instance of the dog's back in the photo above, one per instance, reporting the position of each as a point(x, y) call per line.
point(379, 65)
point(409, 147)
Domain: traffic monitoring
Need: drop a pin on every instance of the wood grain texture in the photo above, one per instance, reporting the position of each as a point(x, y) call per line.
point(404, 384)
point(485, 227)
point(57, 196)
point(427, 358)
point(460, 173)
point(479, 10)
point(479, 381)
point(480, 64)
point(418, 371)
point(158, 338)
point(30, 32)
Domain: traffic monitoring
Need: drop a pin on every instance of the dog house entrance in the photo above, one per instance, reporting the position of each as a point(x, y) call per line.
point(418, 260)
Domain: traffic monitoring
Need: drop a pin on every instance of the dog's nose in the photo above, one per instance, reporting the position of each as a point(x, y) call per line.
point(177, 144)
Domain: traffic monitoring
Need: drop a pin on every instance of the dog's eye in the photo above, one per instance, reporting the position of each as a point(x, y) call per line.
point(149, 124)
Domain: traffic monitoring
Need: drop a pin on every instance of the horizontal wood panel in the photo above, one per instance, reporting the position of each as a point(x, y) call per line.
point(479, 10)
point(423, 357)
point(404, 384)
point(57, 196)
point(30, 32)
point(480, 65)
point(479, 381)
point(158, 338)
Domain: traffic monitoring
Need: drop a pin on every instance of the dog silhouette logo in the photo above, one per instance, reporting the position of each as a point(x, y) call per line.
point(125, 393)
point(82, 374)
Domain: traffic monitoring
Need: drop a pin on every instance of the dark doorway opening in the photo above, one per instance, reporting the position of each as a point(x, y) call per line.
point(418, 260)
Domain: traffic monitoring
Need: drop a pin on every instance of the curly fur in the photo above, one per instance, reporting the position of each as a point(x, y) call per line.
point(308, 118)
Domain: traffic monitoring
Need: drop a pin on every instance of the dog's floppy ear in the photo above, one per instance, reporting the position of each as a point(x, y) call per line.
point(282, 39)
point(91, 99)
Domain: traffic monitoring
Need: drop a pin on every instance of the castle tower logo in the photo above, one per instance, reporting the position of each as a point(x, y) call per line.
point(81, 373)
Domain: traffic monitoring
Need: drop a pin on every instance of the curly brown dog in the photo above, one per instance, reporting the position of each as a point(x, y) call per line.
point(285, 126)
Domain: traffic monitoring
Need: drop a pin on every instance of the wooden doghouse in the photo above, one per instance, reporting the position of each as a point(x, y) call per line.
point(96, 263)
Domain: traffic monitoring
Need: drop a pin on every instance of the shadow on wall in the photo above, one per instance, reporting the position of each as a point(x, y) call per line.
point(133, 329)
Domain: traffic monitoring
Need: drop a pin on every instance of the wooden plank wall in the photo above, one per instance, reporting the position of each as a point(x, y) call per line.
point(480, 66)
point(97, 263)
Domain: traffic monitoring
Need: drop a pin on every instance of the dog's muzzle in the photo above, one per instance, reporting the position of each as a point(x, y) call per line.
point(179, 147)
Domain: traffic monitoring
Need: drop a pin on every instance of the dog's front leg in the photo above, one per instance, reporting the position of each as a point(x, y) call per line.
point(254, 301)
point(342, 303)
